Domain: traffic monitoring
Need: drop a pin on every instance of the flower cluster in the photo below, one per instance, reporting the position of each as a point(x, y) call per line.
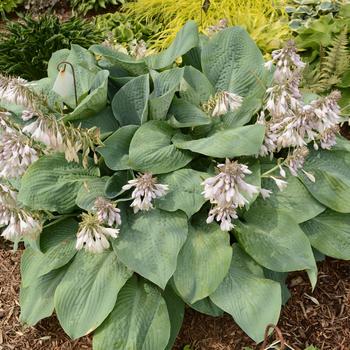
point(59, 137)
point(290, 122)
point(221, 25)
point(20, 222)
point(228, 191)
point(146, 189)
point(92, 235)
point(107, 212)
point(16, 151)
point(222, 103)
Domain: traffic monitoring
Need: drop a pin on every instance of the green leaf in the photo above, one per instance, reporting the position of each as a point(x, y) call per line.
point(267, 230)
point(176, 309)
point(114, 185)
point(51, 183)
point(126, 62)
point(233, 62)
point(242, 141)
point(149, 243)
point(95, 101)
point(57, 243)
point(165, 85)
point(88, 291)
point(295, 199)
point(139, 320)
point(130, 103)
point(90, 191)
point(253, 301)
point(184, 114)
point(330, 234)
point(115, 150)
point(332, 186)
point(195, 87)
point(37, 300)
point(207, 307)
point(185, 191)
point(151, 149)
point(203, 262)
point(185, 40)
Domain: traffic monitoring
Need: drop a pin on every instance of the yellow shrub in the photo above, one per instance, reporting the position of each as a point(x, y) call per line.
point(266, 24)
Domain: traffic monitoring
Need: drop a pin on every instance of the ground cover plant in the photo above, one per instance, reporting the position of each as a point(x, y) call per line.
point(200, 175)
point(27, 45)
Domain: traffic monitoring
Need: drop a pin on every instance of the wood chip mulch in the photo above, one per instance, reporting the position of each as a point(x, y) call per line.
point(321, 318)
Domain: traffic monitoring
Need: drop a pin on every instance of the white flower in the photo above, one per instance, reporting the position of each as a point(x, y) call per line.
point(20, 224)
point(226, 102)
point(7, 196)
point(44, 131)
point(146, 189)
point(15, 154)
point(27, 115)
point(228, 186)
point(295, 160)
point(138, 49)
point(221, 25)
point(310, 176)
point(224, 215)
point(281, 184)
point(265, 193)
point(107, 212)
point(92, 236)
point(227, 191)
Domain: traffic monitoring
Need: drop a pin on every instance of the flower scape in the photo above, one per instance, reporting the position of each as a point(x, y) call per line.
point(199, 176)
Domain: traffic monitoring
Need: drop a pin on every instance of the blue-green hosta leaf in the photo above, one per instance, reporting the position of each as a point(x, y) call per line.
point(115, 149)
point(207, 307)
point(131, 65)
point(37, 300)
point(88, 291)
point(332, 186)
point(57, 243)
point(176, 310)
point(114, 186)
point(185, 40)
point(52, 183)
point(90, 191)
point(139, 320)
point(295, 199)
point(195, 86)
point(165, 86)
point(268, 230)
point(242, 141)
point(185, 191)
point(149, 243)
point(330, 234)
point(252, 300)
point(151, 149)
point(184, 114)
point(130, 103)
point(203, 262)
point(95, 101)
point(233, 62)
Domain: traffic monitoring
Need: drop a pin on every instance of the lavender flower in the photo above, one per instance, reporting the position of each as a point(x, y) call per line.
point(107, 212)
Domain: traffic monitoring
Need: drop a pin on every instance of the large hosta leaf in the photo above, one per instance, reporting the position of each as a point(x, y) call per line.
point(268, 230)
point(130, 103)
point(233, 62)
point(203, 262)
point(115, 149)
point(252, 300)
point(242, 141)
point(88, 291)
point(51, 183)
point(185, 191)
point(332, 186)
point(57, 243)
point(149, 243)
point(185, 40)
point(90, 192)
point(151, 149)
point(37, 300)
point(139, 320)
point(295, 200)
point(330, 234)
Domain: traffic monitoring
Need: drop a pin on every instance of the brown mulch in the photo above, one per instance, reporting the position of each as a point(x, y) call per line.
point(321, 318)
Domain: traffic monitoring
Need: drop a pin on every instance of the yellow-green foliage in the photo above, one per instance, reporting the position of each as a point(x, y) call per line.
point(266, 24)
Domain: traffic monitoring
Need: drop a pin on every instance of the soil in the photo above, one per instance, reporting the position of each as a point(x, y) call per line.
point(320, 317)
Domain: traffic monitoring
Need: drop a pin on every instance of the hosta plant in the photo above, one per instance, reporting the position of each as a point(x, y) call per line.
point(140, 186)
